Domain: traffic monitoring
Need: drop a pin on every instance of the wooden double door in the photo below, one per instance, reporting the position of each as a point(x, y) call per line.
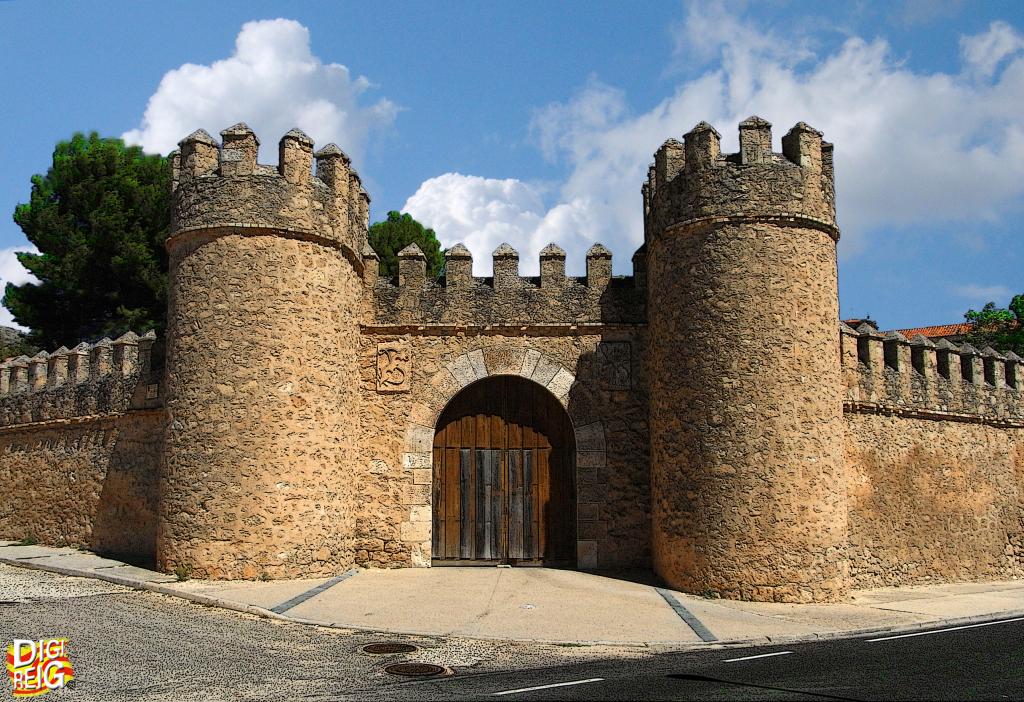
point(503, 488)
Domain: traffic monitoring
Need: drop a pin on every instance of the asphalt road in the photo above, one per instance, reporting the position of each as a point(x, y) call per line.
point(134, 645)
point(131, 645)
point(977, 663)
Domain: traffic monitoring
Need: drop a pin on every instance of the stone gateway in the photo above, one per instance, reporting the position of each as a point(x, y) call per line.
point(709, 416)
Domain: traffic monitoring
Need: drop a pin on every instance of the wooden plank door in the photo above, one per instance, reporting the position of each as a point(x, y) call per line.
point(499, 445)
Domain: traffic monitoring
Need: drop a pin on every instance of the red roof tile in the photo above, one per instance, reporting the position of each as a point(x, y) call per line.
point(938, 330)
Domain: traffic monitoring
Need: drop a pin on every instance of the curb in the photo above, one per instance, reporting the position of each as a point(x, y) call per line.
point(139, 584)
point(858, 633)
point(211, 601)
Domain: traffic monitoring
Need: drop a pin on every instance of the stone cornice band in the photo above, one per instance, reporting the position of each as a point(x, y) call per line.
point(851, 407)
point(784, 219)
point(111, 417)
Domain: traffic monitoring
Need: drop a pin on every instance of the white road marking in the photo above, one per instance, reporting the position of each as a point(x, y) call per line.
point(942, 631)
point(545, 687)
point(763, 655)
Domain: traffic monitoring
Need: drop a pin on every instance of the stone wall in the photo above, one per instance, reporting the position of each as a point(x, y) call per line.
point(582, 338)
point(935, 460)
point(506, 298)
point(80, 442)
point(917, 378)
point(933, 501)
point(89, 483)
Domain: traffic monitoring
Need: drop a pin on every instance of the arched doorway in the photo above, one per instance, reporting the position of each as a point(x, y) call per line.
point(503, 486)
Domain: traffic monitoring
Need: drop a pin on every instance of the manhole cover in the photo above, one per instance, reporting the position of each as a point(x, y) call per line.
point(380, 648)
point(414, 669)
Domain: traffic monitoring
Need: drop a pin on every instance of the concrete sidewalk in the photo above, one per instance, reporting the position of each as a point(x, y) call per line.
point(539, 604)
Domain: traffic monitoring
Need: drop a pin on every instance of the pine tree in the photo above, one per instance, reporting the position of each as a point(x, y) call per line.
point(99, 218)
point(398, 231)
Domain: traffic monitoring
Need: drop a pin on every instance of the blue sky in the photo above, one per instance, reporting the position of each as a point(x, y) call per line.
point(534, 121)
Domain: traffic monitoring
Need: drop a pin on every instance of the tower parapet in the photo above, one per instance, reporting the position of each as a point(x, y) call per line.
point(693, 182)
point(222, 185)
point(747, 487)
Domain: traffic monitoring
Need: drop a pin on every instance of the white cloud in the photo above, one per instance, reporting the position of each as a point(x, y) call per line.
point(911, 147)
point(272, 82)
point(711, 33)
point(980, 294)
point(11, 271)
point(982, 53)
point(911, 12)
point(482, 213)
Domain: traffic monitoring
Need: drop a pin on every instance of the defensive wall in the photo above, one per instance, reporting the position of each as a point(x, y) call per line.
point(934, 459)
point(80, 442)
point(733, 435)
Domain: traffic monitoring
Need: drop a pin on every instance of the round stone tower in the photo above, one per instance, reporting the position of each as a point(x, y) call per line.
point(265, 296)
point(747, 489)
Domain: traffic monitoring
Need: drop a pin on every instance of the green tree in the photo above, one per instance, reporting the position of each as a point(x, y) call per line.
point(998, 327)
point(398, 231)
point(14, 343)
point(99, 218)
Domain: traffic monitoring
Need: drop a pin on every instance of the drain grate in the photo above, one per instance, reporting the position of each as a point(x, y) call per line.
point(389, 647)
point(414, 669)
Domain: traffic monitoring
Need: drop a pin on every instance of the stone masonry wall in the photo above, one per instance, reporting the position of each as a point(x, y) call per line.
point(935, 460)
point(599, 378)
point(80, 442)
point(886, 373)
point(582, 338)
point(89, 483)
point(458, 298)
point(933, 501)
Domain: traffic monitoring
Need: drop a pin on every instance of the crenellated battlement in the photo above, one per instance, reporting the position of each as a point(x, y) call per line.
point(692, 181)
point(222, 186)
point(506, 298)
point(108, 377)
point(890, 374)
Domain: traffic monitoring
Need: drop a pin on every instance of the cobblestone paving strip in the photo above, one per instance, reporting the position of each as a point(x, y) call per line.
point(687, 616)
point(312, 592)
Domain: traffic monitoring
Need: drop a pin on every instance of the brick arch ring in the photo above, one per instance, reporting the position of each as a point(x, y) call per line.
point(464, 370)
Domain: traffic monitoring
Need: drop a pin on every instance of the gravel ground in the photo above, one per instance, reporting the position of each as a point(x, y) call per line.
point(136, 645)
